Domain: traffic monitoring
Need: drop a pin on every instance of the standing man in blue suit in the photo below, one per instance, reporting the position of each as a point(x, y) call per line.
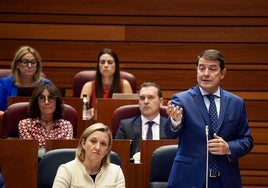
point(189, 116)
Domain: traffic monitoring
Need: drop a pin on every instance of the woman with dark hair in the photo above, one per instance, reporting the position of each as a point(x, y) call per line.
point(107, 80)
point(91, 166)
point(45, 116)
point(26, 71)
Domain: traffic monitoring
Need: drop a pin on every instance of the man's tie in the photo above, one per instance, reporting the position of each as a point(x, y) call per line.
point(213, 125)
point(213, 113)
point(149, 135)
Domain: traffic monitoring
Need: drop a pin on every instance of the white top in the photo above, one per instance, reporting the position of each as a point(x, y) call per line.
point(73, 174)
point(155, 127)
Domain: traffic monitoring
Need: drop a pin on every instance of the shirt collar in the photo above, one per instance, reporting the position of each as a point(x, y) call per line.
point(217, 93)
point(156, 119)
point(38, 123)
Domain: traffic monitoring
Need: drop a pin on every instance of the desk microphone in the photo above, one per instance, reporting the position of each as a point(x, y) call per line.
point(207, 129)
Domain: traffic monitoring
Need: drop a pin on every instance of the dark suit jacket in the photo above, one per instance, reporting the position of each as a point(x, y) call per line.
point(189, 167)
point(2, 183)
point(131, 129)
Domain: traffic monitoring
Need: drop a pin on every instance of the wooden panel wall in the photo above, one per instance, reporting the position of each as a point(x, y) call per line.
point(155, 41)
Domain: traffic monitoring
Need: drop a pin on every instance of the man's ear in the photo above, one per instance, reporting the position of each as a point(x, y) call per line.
point(223, 73)
point(161, 101)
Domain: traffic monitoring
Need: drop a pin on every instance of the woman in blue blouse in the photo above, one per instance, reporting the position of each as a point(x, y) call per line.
point(26, 70)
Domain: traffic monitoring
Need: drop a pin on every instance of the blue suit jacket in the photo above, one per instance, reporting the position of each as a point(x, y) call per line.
point(131, 129)
point(189, 167)
point(8, 88)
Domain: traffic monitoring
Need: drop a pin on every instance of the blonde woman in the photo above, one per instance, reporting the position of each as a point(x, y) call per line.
point(26, 70)
point(91, 167)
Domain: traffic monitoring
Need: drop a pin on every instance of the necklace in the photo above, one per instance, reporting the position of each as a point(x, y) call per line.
point(47, 122)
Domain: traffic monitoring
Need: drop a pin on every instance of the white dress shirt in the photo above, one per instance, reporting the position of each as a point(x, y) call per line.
point(155, 127)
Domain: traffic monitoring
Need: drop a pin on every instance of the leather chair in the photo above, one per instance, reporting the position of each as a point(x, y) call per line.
point(84, 76)
point(128, 111)
point(18, 111)
point(161, 163)
point(49, 163)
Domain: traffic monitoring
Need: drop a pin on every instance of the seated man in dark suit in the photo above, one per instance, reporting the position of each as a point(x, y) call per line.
point(137, 128)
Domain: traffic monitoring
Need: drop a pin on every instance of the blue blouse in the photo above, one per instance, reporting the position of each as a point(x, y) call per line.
point(8, 88)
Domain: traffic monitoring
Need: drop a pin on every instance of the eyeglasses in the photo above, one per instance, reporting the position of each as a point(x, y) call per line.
point(26, 62)
point(49, 98)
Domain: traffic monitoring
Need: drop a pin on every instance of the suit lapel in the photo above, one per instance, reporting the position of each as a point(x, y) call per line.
point(137, 127)
point(224, 103)
point(162, 133)
point(200, 104)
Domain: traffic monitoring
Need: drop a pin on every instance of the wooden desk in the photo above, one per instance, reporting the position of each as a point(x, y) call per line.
point(122, 148)
point(60, 143)
point(77, 103)
point(19, 162)
point(104, 109)
point(147, 149)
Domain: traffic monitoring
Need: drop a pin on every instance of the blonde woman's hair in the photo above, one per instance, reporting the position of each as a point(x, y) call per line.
point(23, 50)
point(80, 152)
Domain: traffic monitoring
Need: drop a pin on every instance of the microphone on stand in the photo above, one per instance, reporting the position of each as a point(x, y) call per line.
point(207, 129)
